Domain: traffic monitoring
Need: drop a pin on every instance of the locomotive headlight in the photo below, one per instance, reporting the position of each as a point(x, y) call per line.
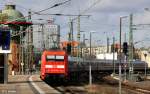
point(48, 66)
point(60, 66)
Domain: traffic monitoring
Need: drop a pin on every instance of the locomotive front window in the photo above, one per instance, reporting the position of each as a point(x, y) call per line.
point(54, 58)
point(59, 58)
point(50, 58)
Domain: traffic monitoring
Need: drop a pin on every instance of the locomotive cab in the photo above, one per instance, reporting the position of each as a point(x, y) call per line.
point(54, 63)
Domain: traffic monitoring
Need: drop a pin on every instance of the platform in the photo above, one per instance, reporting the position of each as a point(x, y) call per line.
point(26, 84)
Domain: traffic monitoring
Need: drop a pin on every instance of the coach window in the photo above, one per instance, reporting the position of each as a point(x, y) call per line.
point(50, 58)
point(59, 58)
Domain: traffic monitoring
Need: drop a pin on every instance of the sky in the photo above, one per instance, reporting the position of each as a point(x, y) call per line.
point(104, 19)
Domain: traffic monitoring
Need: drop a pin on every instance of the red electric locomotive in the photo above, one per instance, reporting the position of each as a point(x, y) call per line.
point(54, 63)
point(57, 64)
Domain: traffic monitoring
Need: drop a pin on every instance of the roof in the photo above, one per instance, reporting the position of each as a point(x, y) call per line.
point(13, 18)
point(17, 23)
point(12, 13)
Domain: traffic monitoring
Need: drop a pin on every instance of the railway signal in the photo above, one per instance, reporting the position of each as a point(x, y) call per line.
point(69, 48)
point(4, 49)
point(4, 40)
point(125, 48)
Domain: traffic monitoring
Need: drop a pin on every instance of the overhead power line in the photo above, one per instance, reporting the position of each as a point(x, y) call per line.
point(55, 5)
point(87, 9)
point(57, 14)
point(58, 4)
point(81, 14)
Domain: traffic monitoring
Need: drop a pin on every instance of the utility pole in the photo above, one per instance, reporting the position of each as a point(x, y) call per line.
point(5, 68)
point(72, 47)
point(42, 32)
point(78, 34)
point(90, 66)
point(130, 48)
point(90, 74)
point(30, 43)
point(70, 36)
point(20, 50)
point(120, 54)
point(71, 30)
point(107, 44)
point(145, 55)
point(120, 58)
point(21, 57)
point(114, 67)
point(83, 46)
point(78, 37)
point(27, 53)
point(125, 39)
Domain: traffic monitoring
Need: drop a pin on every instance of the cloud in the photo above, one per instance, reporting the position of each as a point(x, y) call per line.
point(112, 6)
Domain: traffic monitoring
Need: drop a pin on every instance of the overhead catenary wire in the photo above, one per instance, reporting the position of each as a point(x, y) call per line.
point(58, 4)
point(80, 14)
point(87, 9)
point(55, 5)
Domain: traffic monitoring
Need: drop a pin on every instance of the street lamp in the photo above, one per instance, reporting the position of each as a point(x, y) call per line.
point(114, 55)
point(120, 54)
point(90, 75)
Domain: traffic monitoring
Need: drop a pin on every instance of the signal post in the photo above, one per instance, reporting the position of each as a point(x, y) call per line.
point(4, 50)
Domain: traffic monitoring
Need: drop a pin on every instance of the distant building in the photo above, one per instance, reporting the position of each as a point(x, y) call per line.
point(147, 58)
point(102, 49)
point(46, 35)
point(52, 36)
point(107, 56)
point(95, 50)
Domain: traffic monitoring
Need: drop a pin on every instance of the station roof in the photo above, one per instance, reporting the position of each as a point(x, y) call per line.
point(12, 16)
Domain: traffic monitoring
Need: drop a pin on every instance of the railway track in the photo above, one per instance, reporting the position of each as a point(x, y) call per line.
point(71, 90)
point(138, 90)
point(76, 90)
point(68, 87)
point(80, 88)
point(130, 87)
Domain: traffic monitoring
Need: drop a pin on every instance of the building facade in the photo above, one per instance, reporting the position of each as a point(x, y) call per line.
point(46, 36)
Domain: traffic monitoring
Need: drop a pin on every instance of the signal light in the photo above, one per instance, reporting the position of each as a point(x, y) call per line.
point(5, 39)
point(125, 48)
point(69, 48)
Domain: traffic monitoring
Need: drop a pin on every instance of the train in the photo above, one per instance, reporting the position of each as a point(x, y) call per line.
point(54, 63)
point(58, 64)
